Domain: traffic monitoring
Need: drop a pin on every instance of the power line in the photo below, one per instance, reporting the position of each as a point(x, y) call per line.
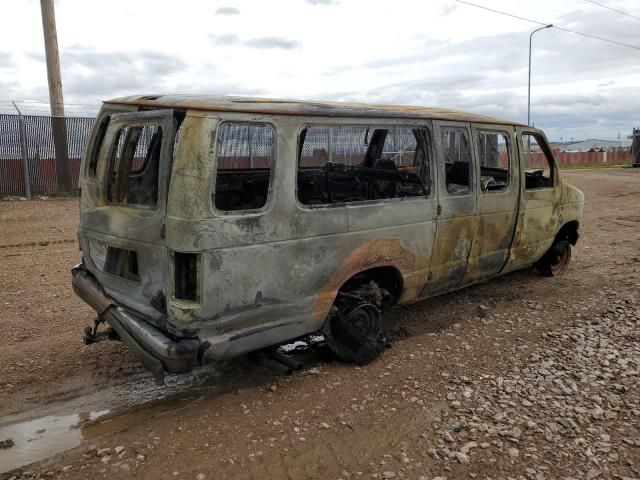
point(613, 9)
point(635, 47)
point(502, 13)
point(608, 40)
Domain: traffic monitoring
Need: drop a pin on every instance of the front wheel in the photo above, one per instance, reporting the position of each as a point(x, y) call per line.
point(556, 261)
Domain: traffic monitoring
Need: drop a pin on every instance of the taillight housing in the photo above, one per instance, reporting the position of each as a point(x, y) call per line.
point(185, 268)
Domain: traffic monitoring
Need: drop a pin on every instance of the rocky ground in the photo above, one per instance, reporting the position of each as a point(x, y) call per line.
point(523, 377)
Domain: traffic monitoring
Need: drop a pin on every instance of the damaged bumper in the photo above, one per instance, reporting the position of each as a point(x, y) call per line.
point(157, 352)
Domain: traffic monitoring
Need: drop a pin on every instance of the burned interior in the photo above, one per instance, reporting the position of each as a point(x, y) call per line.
point(538, 166)
point(457, 153)
point(350, 164)
point(494, 160)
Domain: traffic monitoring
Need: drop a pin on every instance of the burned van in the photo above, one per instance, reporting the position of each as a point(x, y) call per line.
point(211, 227)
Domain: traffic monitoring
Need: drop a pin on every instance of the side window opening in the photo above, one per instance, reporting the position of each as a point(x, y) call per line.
point(97, 145)
point(495, 164)
point(457, 160)
point(134, 165)
point(538, 167)
point(358, 163)
point(245, 154)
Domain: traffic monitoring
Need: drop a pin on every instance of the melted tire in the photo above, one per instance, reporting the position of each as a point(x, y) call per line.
point(354, 338)
point(556, 261)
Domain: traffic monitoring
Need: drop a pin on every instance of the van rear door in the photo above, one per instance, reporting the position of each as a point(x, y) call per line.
point(134, 173)
point(122, 220)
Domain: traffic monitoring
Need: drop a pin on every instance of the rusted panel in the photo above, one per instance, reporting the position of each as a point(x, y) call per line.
point(450, 254)
point(378, 253)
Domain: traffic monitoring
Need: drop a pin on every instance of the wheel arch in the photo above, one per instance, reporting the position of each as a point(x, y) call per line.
point(569, 232)
point(388, 277)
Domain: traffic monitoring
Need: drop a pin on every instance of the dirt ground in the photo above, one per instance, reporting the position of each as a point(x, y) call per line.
point(521, 377)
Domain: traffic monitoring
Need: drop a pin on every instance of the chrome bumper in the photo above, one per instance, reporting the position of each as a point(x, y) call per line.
point(157, 352)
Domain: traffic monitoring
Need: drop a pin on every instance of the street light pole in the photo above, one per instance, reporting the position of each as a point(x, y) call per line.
point(529, 88)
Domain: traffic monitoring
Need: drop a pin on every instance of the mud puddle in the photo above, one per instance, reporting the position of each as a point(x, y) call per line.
point(59, 427)
point(42, 437)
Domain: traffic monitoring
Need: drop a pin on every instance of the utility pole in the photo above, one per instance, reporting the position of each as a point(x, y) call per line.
point(53, 59)
point(58, 125)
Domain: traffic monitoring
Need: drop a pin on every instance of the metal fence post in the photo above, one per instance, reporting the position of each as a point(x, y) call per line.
point(23, 149)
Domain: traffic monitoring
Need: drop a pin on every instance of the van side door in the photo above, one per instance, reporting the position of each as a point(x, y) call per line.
point(456, 223)
point(540, 198)
point(498, 187)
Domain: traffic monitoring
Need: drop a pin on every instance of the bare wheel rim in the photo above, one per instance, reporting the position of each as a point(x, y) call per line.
point(561, 260)
point(366, 319)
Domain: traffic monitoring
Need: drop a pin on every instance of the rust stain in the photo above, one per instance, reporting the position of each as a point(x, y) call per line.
point(377, 253)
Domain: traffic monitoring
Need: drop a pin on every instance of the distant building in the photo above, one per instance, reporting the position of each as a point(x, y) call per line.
point(593, 145)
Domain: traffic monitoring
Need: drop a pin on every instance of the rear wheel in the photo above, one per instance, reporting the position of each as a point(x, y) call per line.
point(556, 261)
point(353, 330)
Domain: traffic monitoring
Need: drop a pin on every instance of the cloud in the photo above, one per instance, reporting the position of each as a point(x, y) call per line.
point(272, 42)
point(227, 11)
point(36, 56)
point(261, 43)
point(488, 75)
point(220, 88)
point(6, 60)
point(322, 2)
point(9, 88)
point(225, 39)
point(91, 73)
point(447, 9)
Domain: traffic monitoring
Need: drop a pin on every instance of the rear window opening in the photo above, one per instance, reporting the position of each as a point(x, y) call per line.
point(244, 161)
point(122, 263)
point(134, 165)
point(351, 164)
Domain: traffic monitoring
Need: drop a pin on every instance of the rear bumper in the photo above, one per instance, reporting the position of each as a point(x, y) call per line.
point(157, 352)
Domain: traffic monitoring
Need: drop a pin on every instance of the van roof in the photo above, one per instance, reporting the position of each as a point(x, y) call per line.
point(302, 107)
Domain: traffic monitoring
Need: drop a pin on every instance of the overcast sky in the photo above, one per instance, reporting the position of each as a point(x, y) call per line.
point(434, 53)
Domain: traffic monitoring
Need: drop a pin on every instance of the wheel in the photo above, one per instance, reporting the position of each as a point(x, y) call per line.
point(354, 332)
point(556, 261)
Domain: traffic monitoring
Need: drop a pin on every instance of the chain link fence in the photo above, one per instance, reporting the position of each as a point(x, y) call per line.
point(40, 155)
